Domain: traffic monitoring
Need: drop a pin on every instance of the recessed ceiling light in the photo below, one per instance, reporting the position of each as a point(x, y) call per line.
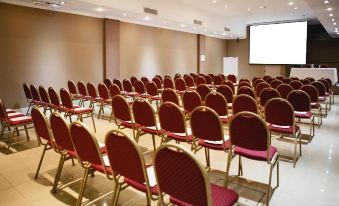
point(295, 7)
point(248, 9)
point(214, 1)
point(224, 34)
point(125, 14)
point(99, 9)
point(330, 14)
point(182, 25)
point(262, 7)
point(147, 18)
point(290, 3)
point(215, 32)
point(62, 3)
point(325, 2)
point(334, 23)
point(333, 19)
point(226, 6)
point(329, 9)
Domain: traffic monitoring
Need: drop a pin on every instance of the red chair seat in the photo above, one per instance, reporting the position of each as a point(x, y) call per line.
point(127, 124)
point(141, 187)
point(101, 169)
point(224, 119)
point(80, 110)
point(225, 146)
point(283, 129)
point(303, 115)
point(255, 155)
point(144, 95)
point(20, 120)
point(180, 137)
point(155, 98)
point(15, 114)
point(321, 99)
point(9, 111)
point(315, 105)
point(220, 197)
point(150, 130)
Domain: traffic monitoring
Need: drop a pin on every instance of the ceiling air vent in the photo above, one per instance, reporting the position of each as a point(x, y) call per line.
point(150, 11)
point(49, 4)
point(227, 29)
point(197, 22)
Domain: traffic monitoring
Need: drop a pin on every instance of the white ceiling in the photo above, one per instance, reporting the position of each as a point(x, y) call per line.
point(179, 14)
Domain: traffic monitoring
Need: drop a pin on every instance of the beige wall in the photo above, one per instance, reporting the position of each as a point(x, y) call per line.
point(43, 48)
point(214, 52)
point(148, 51)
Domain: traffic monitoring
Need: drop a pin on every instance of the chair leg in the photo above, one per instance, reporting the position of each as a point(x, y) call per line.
point(2, 130)
point(116, 194)
point(30, 104)
point(153, 139)
point(11, 137)
point(228, 164)
point(82, 187)
point(40, 162)
point(26, 131)
point(269, 186)
point(207, 156)
point(95, 130)
point(295, 152)
point(240, 173)
point(58, 174)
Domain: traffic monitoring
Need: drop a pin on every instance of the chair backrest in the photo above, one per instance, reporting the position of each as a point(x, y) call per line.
point(54, 97)
point(249, 131)
point(286, 80)
point(311, 79)
point(200, 80)
point(114, 90)
point(144, 80)
point(320, 87)
point(171, 118)
point(326, 83)
point(244, 102)
point(212, 76)
point(300, 101)
point(260, 87)
point(181, 176)
point(296, 84)
point(199, 117)
point(40, 125)
point(189, 80)
point(66, 98)
point(92, 92)
point(107, 82)
point(3, 113)
point(257, 81)
point(266, 77)
point(208, 79)
point(232, 78)
point(120, 108)
point(168, 83)
point(284, 90)
point(191, 100)
point(269, 80)
point(71, 87)
point(143, 113)
point(217, 80)
point(311, 91)
point(169, 95)
point(280, 77)
point(223, 77)
point(159, 77)
point(152, 88)
point(125, 157)
point(245, 80)
point(248, 91)
point(329, 81)
point(139, 87)
point(275, 83)
point(229, 84)
point(103, 91)
point(268, 94)
point(133, 79)
point(60, 131)
point(28, 94)
point(85, 145)
point(82, 88)
point(180, 84)
point(217, 102)
point(118, 83)
point(305, 81)
point(226, 92)
point(244, 84)
point(35, 93)
point(294, 78)
point(127, 85)
point(157, 82)
point(279, 111)
point(43, 95)
point(203, 90)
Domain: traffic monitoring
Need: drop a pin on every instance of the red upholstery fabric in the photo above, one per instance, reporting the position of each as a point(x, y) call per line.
point(103, 91)
point(300, 101)
point(296, 84)
point(312, 92)
point(144, 80)
point(71, 87)
point(157, 82)
point(320, 87)
point(171, 118)
point(260, 87)
point(279, 111)
point(200, 80)
point(290, 130)
point(232, 78)
point(117, 82)
point(82, 88)
point(230, 85)
point(225, 146)
point(40, 124)
point(120, 108)
point(169, 95)
point(180, 84)
point(114, 90)
point(191, 100)
point(255, 154)
point(306, 115)
point(143, 113)
point(217, 80)
point(152, 90)
point(44, 95)
point(227, 92)
point(133, 80)
point(168, 83)
point(141, 187)
point(127, 85)
point(244, 103)
point(203, 90)
point(284, 90)
point(181, 138)
point(189, 81)
point(267, 94)
point(60, 132)
point(246, 90)
point(35, 94)
point(27, 92)
point(20, 120)
point(275, 83)
point(217, 102)
point(139, 87)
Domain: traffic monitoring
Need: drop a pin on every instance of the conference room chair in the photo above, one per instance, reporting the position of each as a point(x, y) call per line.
point(152, 91)
point(208, 80)
point(265, 77)
point(328, 91)
point(243, 103)
point(296, 84)
point(315, 105)
point(280, 77)
point(28, 96)
point(301, 103)
point(93, 96)
point(223, 77)
point(10, 114)
point(71, 110)
point(128, 89)
point(140, 89)
point(331, 90)
point(159, 77)
point(217, 81)
point(200, 80)
point(177, 75)
point(256, 82)
point(43, 134)
point(227, 92)
point(121, 113)
point(88, 154)
point(203, 90)
point(55, 100)
point(36, 96)
point(13, 122)
point(244, 84)
point(269, 80)
point(229, 84)
point(173, 124)
point(72, 90)
point(169, 95)
point(131, 170)
point(232, 78)
point(144, 80)
point(158, 83)
point(168, 83)
point(117, 82)
point(286, 80)
point(45, 99)
point(133, 80)
point(275, 83)
point(191, 100)
point(260, 87)
point(181, 177)
point(180, 86)
point(311, 79)
point(211, 137)
point(245, 80)
point(107, 82)
point(84, 97)
point(322, 99)
point(266, 95)
point(248, 91)
point(294, 78)
point(254, 145)
point(189, 81)
point(145, 120)
point(305, 81)
point(279, 115)
point(104, 100)
point(211, 76)
point(167, 76)
point(255, 79)
point(114, 90)
point(218, 103)
point(284, 90)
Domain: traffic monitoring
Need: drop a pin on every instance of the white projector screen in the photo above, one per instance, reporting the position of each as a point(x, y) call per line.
point(281, 43)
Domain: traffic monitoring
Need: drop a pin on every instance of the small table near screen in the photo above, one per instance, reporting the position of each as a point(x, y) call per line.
point(316, 73)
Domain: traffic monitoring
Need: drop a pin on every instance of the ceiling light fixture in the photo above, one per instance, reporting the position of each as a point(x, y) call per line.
point(226, 6)
point(325, 2)
point(333, 19)
point(100, 9)
point(330, 14)
point(125, 14)
point(214, 1)
point(182, 25)
point(295, 8)
point(291, 3)
point(262, 7)
point(334, 23)
point(248, 9)
point(147, 18)
point(62, 3)
point(329, 9)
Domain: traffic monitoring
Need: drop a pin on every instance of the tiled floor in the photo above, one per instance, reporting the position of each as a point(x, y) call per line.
point(314, 181)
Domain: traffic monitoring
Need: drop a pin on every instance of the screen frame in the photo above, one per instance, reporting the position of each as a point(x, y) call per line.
point(271, 23)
